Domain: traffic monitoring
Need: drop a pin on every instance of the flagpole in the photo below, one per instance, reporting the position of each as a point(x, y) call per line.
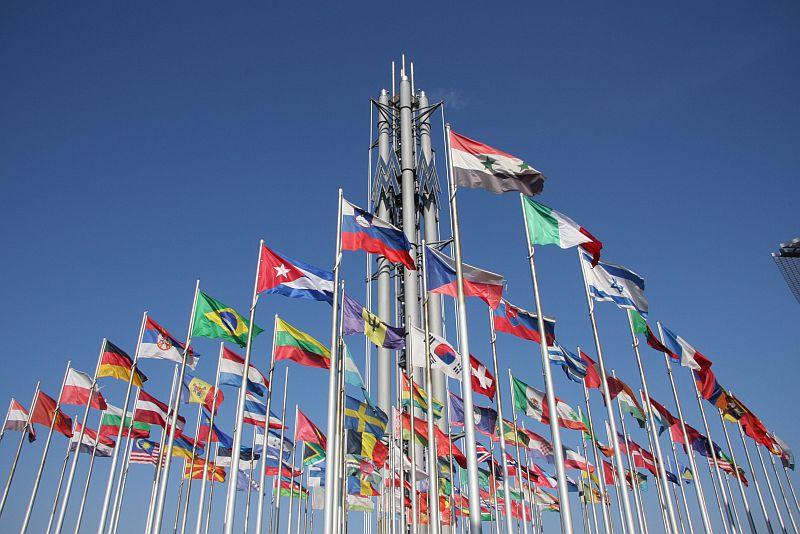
point(701, 500)
point(38, 478)
point(161, 452)
point(411, 450)
point(28, 426)
point(619, 485)
point(783, 493)
point(299, 498)
point(123, 472)
point(60, 484)
point(683, 490)
point(791, 487)
point(210, 493)
point(742, 493)
point(180, 499)
point(250, 479)
point(291, 477)
point(598, 467)
point(453, 519)
point(88, 476)
point(277, 511)
point(115, 455)
point(732, 501)
point(194, 449)
point(755, 481)
point(675, 496)
point(536, 519)
point(264, 439)
point(493, 489)
point(519, 462)
point(333, 390)
point(603, 489)
point(771, 491)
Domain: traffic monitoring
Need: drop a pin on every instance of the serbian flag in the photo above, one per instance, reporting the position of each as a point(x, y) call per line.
point(592, 379)
point(292, 278)
point(117, 364)
point(46, 412)
point(158, 343)
point(149, 409)
point(441, 278)
point(362, 230)
point(77, 389)
point(680, 349)
point(18, 419)
point(231, 369)
point(510, 319)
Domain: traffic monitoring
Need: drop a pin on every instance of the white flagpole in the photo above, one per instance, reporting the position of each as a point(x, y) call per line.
point(603, 489)
point(291, 478)
point(59, 485)
point(333, 385)
point(627, 518)
point(519, 461)
point(277, 478)
point(164, 483)
point(101, 528)
point(123, 477)
point(732, 500)
point(88, 476)
point(620, 484)
point(299, 498)
point(38, 478)
point(199, 521)
point(755, 481)
point(186, 461)
point(783, 493)
point(555, 429)
point(210, 494)
point(411, 450)
point(24, 431)
point(771, 491)
point(681, 485)
point(499, 404)
point(178, 507)
point(791, 487)
point(63, 512)
point(250, 481)
point(264, 438)
point(466, 369)
point(742, 493)
point(493, 490)
point(675, 496)
point(598, 467)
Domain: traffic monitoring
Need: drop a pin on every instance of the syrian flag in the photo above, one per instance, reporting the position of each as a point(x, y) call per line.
point(159, 344)
point(18, 419)
point(534, 403)
point(443, 356)
point(681, 350)
point(483, 381)
point(441, 279)
point(77, 389)
point(231, 368)
point(546, 226)
point(609, 282)
point(476, 165)
point(292, 278)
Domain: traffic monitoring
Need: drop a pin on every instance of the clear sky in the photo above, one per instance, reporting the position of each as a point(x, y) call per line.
point(144, 146)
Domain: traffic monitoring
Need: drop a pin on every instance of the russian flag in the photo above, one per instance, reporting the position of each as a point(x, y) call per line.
point(362, 230)
point(523, 324)
point(231, 369)
point(441, 278)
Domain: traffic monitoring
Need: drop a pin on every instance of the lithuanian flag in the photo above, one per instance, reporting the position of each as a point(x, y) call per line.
point(117, 364)
point(292, 344)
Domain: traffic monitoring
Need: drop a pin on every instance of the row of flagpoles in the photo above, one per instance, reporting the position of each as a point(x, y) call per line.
point(355, 445)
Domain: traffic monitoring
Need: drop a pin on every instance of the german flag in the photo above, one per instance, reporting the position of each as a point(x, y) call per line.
point(117, 364)
point(194, 469)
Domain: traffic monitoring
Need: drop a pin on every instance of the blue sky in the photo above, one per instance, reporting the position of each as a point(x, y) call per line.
point(146, 146)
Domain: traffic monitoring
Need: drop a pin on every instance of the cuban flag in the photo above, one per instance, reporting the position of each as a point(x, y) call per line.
point(292, 278)
point(231, 368)
point(255, 413)
point(362, 230)
point(512, 320)
point(609, 282)
point(443, 356)
point(441, 278)
point(573, 366)
point(680, 349)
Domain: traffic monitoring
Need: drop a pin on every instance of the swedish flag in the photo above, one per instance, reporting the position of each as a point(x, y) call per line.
point(215, 320)
point(362, 417)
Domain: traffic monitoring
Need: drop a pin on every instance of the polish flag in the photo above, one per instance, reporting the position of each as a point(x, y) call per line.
point(78, 388)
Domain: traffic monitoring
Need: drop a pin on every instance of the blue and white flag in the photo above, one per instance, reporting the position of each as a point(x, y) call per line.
point(616, 284)
point(292, 278)
point(485, 418)
point(572, 365)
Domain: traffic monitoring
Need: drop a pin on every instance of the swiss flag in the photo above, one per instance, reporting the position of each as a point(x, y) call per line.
point(274, 270)
point(483, 381)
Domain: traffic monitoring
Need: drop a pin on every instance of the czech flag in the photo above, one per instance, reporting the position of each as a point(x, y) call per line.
point(441, 278)
point(362, 230)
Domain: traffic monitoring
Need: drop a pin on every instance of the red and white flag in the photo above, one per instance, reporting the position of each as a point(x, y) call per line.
point(576, 461)
point(18, 419)
point(483, 381)
point(149, 409)
point(77, 389)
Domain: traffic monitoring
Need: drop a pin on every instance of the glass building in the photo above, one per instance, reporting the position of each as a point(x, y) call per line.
point(788, 261)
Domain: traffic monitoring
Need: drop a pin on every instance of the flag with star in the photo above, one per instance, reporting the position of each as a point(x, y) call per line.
point(215, 320)
point(476, 165)
point(280, 274)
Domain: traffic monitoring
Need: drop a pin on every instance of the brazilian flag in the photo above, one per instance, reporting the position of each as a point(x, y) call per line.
point(215, 320)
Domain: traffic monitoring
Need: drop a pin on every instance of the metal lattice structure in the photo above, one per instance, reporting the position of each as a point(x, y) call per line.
point(788, 261)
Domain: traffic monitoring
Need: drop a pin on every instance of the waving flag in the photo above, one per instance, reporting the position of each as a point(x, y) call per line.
point(482, 379)
point(640, 326)
point(443, 356)
point(77, 389)
point(89, 441)
point(476, 165)
point(546, 226)
point(367, 446)
point(362, 230)
point(45, 410)
point(356, 319)
point(247, 458)
point(510, 319)
point(231, 369)
point(17, 418)
point(484, 455)
point(627, 399)
point(159, 344)
point(441, 279)
point(194, 469)
point(197, 391)
point(575, 461)
point(534, 403)
point(309, 432)
point(419, 396)
point(144, 451)
point(149, 409)
point(681, 350)
point(485, 418)
point(609, 282)
point(573, 366)
point(212, 433)
point(292, 278)
point(255, 413)
point(292, 344)
point(662, 416)
point(112, 420)
point(592, 378)
point(362, 417)
point(117, 364)
point(213, 319)
point(539, 446)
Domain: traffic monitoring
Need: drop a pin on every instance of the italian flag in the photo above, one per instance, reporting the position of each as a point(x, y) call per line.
point(546, 226)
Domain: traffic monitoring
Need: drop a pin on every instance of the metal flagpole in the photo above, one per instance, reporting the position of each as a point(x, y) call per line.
point(59, 485)
point(300, 483)
point(161, 452)
point(627, 517)
point(291, 476)
point(264, 438)
point(771, 491)
point(411, 450)
point(732, 501)
point(499, 404)
point(603, 489)
point(199, 521)
point(38, 478)
point(466, 370)
point(563, 490)
point(620, 486)
point(453, 519)
point(194, 449)
point(115, 455)
point(162, 487)
point(250, 482)
point(701, 500)
point(277, 478)
point(650, 423)
point(210, 494)
point(122, 477)
point(519, 462)
point(493, 490)
point(681, 485)
point(333, 382)
point(728, 516)
point(535, 518)
point(742, 493)
point(63, 512)
point(28, 425)
point(88, 476)
point(675, 496)
point(588, 477)
point(783, 493)
point(178, 507)
point(791, 487)
point(755, 481)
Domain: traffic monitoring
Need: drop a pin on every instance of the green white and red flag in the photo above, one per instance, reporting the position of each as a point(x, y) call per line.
point(546, 226)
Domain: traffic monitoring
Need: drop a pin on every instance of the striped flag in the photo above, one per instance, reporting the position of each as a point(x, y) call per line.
point(18, 419)
point(145, 451)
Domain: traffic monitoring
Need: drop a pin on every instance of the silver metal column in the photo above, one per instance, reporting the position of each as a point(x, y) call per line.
point(384, 287)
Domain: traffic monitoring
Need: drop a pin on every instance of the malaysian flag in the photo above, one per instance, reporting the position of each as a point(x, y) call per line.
point(145, 451)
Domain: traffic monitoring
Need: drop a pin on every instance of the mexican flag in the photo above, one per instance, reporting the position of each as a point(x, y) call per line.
point(112, 420)
point(546, 226)
point(534, 403)
point(215, 320)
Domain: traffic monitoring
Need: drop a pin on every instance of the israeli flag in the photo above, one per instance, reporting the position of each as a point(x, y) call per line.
point(609, 282)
